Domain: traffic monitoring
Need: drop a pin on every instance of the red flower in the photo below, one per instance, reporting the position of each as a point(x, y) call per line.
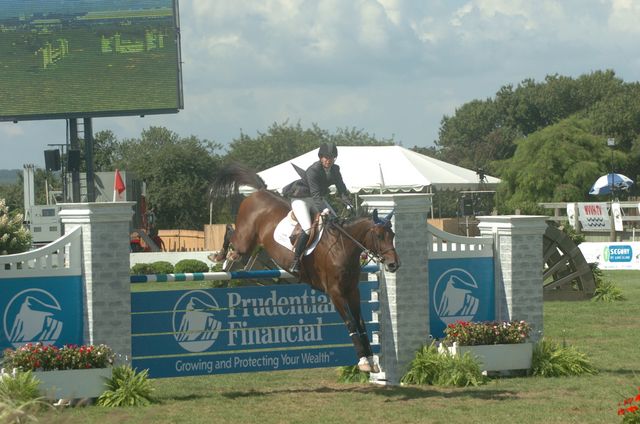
point(621, 411)
point(632, 408)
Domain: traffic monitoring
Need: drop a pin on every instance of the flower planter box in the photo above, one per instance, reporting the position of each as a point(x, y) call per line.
point(73, 384)
point(501, 357)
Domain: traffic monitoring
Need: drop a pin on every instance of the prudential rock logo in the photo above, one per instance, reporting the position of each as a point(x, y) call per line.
point(195, 326)
point(31, 316)
point(455, 296)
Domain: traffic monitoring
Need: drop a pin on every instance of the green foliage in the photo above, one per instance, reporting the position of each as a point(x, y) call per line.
point(191, 265)
point(486, 333)
point(352, 374)
point(177, 171)
point(606, 290)
point(284, 141)
point(19, 398)
point(572, 234)
point(552, 360)
point(432, 368)
point(142, 269)
point(20, 387)
point(127, 387)
point(162, 267)
point(558, 163)
point(14, 237)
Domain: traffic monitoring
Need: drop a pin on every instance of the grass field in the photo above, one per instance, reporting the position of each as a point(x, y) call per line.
point(605, 332)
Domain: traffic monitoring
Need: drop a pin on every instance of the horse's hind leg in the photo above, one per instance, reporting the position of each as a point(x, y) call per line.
point(222, 254)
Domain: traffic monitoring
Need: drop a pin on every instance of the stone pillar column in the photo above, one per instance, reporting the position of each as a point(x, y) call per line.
point(105, 248)
point(519, 267)
point(403, 295)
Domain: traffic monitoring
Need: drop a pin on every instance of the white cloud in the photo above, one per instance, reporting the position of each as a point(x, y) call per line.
point(625, 15)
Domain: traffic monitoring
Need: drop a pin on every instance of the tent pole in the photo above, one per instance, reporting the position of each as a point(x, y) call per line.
point(431, 202)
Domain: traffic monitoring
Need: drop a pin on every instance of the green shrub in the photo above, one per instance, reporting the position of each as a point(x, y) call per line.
point(433, 368)
point(162, 267)
point(552, 360)
point(15, 237)
point(606, 290)
point(141, 269)
point(352, 374)
point(191, 265)
point(127, 387)
point(19, 398)
point(21, 387)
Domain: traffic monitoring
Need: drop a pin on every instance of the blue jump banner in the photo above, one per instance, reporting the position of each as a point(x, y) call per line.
point(460, 290)
point(41, 309)
point(244, 329)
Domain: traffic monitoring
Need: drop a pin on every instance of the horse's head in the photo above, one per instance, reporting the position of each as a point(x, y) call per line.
point(380, 241)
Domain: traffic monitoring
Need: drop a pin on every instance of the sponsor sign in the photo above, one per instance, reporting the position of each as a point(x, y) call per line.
point(594, 216)
point(460, 290)
point(620, 255)
point(244, 329)
point(43, 309)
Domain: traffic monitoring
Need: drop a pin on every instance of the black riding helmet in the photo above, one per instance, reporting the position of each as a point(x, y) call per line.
point(328, 150)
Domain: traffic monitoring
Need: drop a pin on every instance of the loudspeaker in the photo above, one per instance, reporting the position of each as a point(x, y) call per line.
point(52, 160)
point(73, 160)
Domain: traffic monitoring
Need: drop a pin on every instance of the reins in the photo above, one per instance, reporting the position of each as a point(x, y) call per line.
point(370, 254)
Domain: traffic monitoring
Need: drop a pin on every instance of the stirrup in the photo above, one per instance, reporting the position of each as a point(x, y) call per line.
point(295, 267)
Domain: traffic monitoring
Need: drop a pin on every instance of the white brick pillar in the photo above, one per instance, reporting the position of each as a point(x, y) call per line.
point(519, 266)
point(105, 249)
point(403, 295)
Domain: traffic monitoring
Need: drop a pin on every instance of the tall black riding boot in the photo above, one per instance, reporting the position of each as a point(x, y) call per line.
point(301, 243)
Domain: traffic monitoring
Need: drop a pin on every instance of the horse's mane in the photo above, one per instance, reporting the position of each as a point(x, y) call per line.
point(231, 176)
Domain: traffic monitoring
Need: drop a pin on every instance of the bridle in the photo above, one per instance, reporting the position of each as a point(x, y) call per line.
point(376, 256)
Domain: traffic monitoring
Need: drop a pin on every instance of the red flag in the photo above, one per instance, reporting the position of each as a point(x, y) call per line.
point(118, 186)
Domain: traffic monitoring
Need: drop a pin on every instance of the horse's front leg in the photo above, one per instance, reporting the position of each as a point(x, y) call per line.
point(354, 307)
point(362, 350)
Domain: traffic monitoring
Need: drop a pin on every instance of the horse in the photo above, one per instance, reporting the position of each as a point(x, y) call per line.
point(333, 267)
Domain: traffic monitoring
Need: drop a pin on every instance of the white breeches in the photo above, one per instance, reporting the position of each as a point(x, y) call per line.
point(300, 208)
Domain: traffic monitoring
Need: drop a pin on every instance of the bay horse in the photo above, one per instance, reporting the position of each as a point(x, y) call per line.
point(334, 265)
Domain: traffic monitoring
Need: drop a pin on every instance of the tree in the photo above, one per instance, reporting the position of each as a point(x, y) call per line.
point(558, 163)
point(105, 151)
point(284, 141)
point(14, 237)
point(177, 172)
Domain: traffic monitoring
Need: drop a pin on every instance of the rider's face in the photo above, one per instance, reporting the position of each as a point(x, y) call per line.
point(327, 162)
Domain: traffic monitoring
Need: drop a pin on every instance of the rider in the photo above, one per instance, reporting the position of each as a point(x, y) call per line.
point(308, 193)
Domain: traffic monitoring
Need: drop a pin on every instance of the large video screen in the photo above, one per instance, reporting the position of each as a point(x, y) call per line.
point(84, 58)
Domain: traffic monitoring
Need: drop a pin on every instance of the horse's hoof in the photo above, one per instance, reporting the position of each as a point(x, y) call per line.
point(374, 365)
point(363, 365)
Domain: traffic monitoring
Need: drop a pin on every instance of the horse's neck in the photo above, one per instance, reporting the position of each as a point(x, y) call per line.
point(358, 229)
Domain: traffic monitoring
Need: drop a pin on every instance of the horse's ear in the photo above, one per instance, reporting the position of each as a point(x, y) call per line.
point(388, 217)
point(374, 215)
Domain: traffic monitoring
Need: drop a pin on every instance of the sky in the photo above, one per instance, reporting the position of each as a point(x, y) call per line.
point(392, 68)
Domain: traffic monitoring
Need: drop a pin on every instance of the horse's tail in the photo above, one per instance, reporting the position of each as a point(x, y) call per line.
point(230, 177)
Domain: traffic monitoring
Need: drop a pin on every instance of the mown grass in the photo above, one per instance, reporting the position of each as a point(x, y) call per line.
point(604, 331)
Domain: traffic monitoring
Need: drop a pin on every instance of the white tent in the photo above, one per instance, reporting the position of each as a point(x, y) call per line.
point(390, 168)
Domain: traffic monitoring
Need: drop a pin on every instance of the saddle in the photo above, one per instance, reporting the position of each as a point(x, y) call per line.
point(315, 228)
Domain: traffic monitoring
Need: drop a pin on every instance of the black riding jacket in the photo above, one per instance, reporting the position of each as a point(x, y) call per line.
point(316, 184)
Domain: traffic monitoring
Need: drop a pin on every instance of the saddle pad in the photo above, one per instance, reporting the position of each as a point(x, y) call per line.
point(285, 228)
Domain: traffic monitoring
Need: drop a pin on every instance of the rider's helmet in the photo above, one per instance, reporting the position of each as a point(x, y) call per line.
point(328, 150)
